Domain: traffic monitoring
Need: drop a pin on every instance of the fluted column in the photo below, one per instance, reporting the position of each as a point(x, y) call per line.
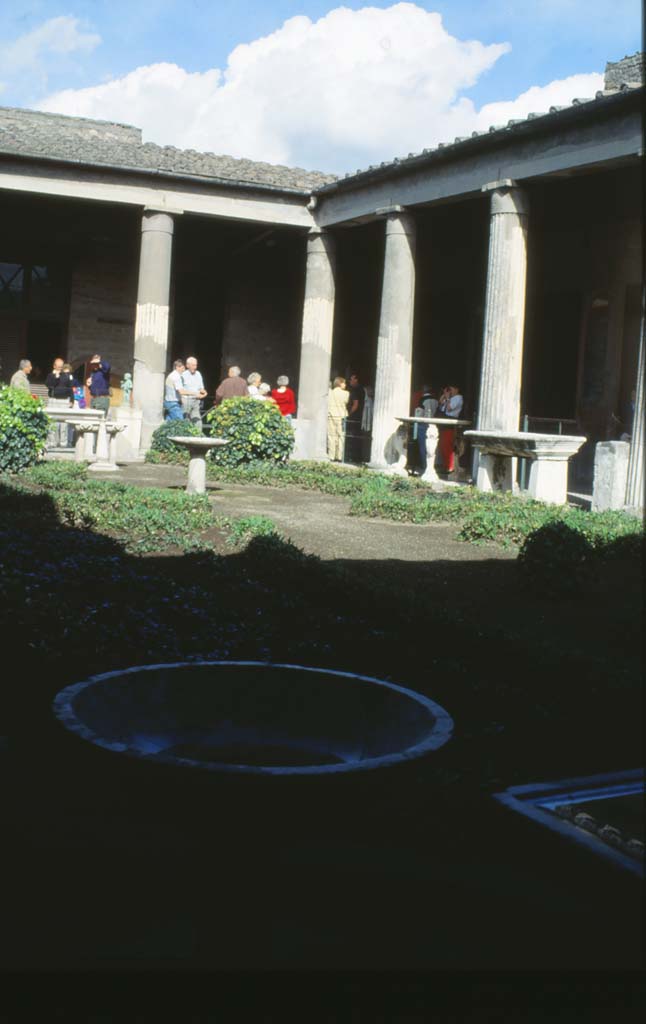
point(151, 324)
point(316, 347)
point(635, 483)
point(504, 324)
point(395, 345)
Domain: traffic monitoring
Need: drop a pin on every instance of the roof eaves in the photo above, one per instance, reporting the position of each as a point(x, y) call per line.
point(442, 150)
point(159, 173)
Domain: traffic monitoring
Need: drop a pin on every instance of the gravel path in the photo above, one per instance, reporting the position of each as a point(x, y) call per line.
point(319, 523)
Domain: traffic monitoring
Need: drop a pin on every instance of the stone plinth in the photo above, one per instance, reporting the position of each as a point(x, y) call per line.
point(549, 455)
point(198, 449)
point(610, 475)
point(129, 440)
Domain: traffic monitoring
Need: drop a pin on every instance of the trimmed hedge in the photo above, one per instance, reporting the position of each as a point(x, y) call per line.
point(24, 427)
point(161, 439)
point(256, 432)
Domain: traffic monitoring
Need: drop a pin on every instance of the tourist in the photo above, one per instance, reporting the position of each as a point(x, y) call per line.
point(356, 401)
point(284, 398)
point(232, 386)
point(60, 388)
point(192, 392)
point(99, 384)
point(173, 390)
point(338, 399)
point(264, 393)
point(60, 383)
point(450, 406)
point(366, 418)
point(253, 381)
point(20, 378)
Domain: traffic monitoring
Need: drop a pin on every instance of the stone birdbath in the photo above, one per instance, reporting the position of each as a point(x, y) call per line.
point(198, 449)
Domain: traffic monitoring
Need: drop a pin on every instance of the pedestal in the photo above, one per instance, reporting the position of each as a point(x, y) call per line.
point(196, 474)
point(548, 480)
point(429, 475)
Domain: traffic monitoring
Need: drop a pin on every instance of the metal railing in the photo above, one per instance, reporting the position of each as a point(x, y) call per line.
point(551, 422)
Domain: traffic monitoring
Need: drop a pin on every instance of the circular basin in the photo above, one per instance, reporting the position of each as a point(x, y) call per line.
point(254, 718)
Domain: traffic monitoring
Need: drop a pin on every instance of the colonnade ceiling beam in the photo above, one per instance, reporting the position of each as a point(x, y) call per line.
point(208, 200)
point(461, 170)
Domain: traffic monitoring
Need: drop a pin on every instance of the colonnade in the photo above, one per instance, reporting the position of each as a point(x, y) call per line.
point(503, 327)
point(503, 332)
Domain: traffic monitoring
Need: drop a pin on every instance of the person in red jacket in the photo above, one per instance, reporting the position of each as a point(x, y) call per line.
point(284, 397)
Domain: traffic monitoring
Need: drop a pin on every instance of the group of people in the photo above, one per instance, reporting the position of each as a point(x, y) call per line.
point(185, 392)
point(447, 405)
point(63, 387)
point(349, 418)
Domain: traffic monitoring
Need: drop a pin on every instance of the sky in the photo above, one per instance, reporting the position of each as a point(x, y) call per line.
point(314, 84)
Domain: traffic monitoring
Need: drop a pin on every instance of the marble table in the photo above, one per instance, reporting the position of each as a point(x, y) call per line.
point(434, 424)
point(549, 455)
point(198, 449)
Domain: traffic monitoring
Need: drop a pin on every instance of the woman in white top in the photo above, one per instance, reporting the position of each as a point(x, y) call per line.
point(451, 402)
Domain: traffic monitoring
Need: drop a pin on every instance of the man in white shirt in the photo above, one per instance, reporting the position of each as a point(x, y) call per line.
point(173, 392)
point(192, 392)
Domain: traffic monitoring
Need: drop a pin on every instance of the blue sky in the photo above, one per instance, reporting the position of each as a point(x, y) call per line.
point(54, 53)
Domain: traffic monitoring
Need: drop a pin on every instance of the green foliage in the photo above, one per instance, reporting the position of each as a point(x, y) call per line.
point(144, 519)
point(178, 457)
point(57, 475)
point(160, 441)
point(242, 530)
point(24, 427)
point(256, 432)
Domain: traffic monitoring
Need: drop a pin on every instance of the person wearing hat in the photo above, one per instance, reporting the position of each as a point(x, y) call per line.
point(99, 384)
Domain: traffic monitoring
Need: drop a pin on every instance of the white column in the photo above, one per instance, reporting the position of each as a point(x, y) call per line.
point(635, 484)
point(316, 348)
point(504, 321)
point(151, 324)
point(395, 346)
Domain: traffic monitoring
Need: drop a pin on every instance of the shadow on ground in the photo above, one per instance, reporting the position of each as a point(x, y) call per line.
point(114, 864)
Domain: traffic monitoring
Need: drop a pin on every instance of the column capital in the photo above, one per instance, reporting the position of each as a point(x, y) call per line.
point(507, 197)
point(170, 210)
point(388, 211)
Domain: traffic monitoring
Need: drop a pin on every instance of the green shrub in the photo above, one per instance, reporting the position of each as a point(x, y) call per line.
point(244, 529)
point(24, 427)
point(256, 431)
point(556, 559)
point(161, 439)
point(57, 475)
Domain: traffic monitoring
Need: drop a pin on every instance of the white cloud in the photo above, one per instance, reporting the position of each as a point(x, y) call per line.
point(62, 35)
point(354, 88)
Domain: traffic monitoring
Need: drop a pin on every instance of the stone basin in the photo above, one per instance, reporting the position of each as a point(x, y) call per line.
point(253, 718)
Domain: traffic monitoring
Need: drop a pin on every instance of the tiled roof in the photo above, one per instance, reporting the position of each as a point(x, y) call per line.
point(29, 133)
point(386, 168)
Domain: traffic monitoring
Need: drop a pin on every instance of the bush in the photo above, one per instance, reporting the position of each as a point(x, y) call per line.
point(161, 439)
point(57, 475)
point(24, 427)
point(256, 432)
point(556, 559)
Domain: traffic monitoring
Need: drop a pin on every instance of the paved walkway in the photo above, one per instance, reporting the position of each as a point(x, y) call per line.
point(319, 523)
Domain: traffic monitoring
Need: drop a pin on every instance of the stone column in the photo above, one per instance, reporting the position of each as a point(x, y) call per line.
point(151, 324)
point(504, 321)
point(316, 347)
point(395, 345)
point(635, 484)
